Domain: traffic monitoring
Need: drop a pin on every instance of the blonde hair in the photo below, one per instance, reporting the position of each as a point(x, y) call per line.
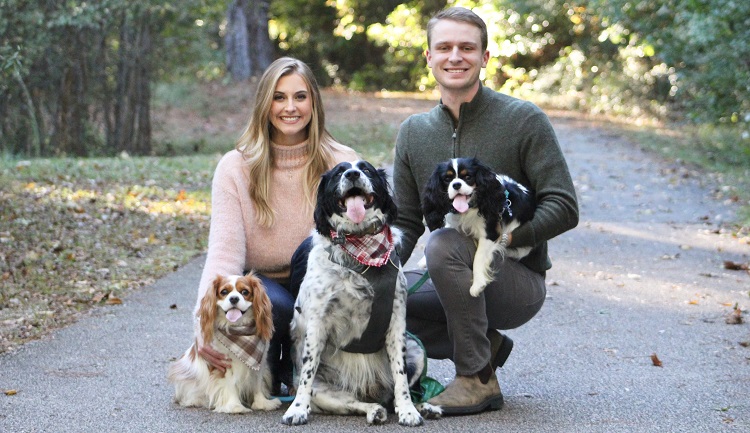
point(255, 141)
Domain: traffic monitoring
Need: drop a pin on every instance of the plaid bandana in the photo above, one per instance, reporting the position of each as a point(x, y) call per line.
point(244, 344)
point(369, 250)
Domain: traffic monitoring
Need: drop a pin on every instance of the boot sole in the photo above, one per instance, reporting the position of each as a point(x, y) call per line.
point(493, 403)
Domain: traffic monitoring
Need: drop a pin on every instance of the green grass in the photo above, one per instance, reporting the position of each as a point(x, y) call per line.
point(81, 232)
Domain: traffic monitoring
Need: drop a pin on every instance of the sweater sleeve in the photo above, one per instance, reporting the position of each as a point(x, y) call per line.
point(544, 164)
point(406, 196)
point(226, 239)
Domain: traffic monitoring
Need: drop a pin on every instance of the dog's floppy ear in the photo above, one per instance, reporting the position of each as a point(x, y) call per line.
point(435, 203)
point(388, 207)
point(262, 308)
point(321, 215)
point(491, 192)
point(207, 310)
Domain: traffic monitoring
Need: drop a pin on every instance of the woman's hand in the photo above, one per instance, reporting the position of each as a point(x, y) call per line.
point(214, 358)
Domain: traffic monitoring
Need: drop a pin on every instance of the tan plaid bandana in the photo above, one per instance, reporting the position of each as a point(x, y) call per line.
point(244, 344)
point(369, 250)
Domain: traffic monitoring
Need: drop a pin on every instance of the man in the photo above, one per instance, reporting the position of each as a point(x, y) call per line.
point(513, 137)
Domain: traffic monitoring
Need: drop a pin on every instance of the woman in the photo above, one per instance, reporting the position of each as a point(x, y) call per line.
point(263, 194)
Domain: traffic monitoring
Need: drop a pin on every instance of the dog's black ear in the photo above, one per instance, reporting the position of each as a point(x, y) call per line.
point(435, 203)
point(490, 197)
point(388, 207)
point(322, 211)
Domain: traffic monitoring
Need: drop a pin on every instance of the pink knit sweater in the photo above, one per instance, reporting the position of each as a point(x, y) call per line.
point(236, 243)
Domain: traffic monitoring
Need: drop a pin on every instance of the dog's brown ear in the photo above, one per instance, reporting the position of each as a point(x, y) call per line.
point(262, 308)
point(207, 310)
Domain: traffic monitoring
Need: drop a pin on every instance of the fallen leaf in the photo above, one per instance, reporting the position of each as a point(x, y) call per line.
point(113, 300)
point(10, 392)
point(655, 360)
point(734, 266)
point(173, 306)
point(735, 317)
point(182, 195)
point(98, 297)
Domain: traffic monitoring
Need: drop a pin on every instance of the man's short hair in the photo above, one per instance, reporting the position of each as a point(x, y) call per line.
point(461, 15)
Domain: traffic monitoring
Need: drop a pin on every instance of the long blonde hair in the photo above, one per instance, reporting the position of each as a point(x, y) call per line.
point(255, 141)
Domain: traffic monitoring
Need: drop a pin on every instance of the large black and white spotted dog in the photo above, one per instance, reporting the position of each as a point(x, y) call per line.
point(467, 195)
point(349, 325)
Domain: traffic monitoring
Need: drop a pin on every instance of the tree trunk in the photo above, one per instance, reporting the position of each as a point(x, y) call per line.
point(132, 124)
point(249, 49)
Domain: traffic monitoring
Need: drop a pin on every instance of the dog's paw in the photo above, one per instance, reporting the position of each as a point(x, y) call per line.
point(422, 264)
point(262, 403)
point(232, 408)
point(377, 415)
point(409, 416)
point(477, 288)
point(295, 416)
point(429, 411)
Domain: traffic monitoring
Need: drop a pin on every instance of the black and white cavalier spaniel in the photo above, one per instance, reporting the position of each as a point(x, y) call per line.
point(465, 194)
point(352, 354)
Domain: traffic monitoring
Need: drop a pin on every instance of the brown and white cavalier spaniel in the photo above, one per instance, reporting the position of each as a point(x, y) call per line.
point(235, 319)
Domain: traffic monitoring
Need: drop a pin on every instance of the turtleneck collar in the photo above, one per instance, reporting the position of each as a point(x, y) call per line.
point(290, 157)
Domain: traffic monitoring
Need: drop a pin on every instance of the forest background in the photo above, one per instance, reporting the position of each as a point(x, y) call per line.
point(113, 113)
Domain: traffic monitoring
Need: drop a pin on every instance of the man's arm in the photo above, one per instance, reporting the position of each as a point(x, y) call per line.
point(407, 196)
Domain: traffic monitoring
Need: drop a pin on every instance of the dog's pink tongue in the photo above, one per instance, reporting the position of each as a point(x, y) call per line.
point(461, 203)
point(355, 209)
point(234, 315)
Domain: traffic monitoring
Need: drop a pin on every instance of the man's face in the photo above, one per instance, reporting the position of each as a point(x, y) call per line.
point(455, 55)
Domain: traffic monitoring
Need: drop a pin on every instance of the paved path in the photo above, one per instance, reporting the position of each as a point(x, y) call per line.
point(641, 275)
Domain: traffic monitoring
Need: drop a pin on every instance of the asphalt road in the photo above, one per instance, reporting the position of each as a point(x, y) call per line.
point(641, 275)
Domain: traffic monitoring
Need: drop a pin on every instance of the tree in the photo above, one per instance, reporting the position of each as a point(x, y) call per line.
point(249, 49)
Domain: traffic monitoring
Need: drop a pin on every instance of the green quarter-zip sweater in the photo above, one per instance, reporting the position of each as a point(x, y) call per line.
point(512, 136)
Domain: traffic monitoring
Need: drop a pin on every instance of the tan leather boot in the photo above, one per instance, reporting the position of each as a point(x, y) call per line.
point(468, 395)
point(500, 347)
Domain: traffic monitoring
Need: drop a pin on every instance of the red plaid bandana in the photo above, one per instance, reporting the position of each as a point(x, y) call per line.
point(370, 250)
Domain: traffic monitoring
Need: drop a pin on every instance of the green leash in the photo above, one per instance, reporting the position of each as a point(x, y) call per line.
point(428, 387)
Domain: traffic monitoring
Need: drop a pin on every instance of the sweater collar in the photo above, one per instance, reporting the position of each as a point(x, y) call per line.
point(290, 157)
point(469, 109)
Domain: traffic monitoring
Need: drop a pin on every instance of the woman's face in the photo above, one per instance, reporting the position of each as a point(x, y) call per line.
point(291, 110)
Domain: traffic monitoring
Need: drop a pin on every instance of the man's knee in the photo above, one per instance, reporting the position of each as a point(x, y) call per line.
point(447, 244)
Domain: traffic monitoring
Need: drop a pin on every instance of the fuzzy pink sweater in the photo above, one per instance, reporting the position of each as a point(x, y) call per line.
point(236, 243)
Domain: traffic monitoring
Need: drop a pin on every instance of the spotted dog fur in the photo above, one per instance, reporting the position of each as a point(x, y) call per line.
point(333, 309)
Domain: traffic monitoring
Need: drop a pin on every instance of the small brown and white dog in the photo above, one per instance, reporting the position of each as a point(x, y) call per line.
point(235, 319)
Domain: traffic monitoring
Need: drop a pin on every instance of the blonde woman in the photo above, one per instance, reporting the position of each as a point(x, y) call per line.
point(263, 194)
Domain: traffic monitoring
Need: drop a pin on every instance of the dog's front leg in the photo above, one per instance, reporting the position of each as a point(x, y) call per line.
point(315, 337)
point(482, 270)
point(395, 345)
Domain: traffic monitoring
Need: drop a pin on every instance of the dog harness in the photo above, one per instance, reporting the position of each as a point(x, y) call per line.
point(380, 268)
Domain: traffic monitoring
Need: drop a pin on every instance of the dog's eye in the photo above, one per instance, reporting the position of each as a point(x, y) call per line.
point(245, 292)
point(224, 292)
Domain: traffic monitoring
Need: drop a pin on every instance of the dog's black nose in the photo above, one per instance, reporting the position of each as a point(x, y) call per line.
point(234, 299)
point(352, 174)
point(456, 185)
